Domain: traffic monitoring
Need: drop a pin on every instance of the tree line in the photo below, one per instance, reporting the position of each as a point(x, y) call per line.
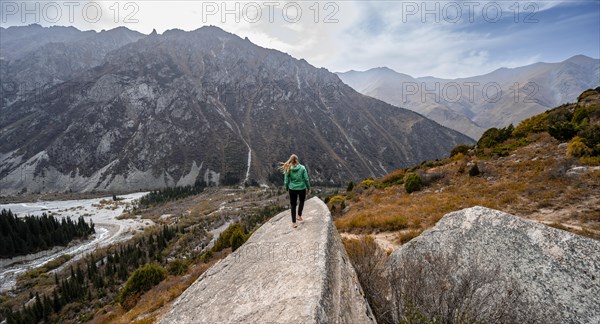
point(31, 234)
point(97, 277)
point(161, 196)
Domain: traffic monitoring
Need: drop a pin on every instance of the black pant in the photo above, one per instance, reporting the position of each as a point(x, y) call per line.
point(294, 194)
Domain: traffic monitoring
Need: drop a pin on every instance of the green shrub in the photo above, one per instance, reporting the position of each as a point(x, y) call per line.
point(413, 169)
point(428, 164)
point(350, 186)
point(462, 149)
point(142, 280)
point(224, 240)
point(577, 148)
point(413, 183)
point(178, 267)
point(336, 204)
point(237, 239)
point(562, 131)
point(559, 123)
point(336, 199)
point(495, 136)
point(508, 146)
point(535, 124)
point(582, 115)
point(367, 183)
point(206, 256)
point(591, 137)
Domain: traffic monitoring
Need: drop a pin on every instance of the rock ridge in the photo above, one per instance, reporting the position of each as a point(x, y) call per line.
point(558, 272)
point(280, 275)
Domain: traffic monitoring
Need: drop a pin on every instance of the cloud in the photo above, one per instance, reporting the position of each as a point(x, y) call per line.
point(441, 38)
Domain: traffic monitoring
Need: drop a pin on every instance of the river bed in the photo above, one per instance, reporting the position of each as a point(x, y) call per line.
point(109, 230)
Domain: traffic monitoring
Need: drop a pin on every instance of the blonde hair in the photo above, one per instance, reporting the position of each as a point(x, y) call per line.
point(287, 165)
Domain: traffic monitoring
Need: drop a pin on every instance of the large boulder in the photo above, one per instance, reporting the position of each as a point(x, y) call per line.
point(280, 275)
point(485, 264)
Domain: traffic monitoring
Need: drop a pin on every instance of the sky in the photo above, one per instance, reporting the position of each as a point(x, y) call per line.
point(446, 39)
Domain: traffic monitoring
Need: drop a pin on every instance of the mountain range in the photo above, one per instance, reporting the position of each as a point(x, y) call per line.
point(34, 58)
point(472, 105)
point(118, 110)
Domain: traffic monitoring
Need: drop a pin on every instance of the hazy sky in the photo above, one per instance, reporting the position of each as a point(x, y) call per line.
point(440, 38)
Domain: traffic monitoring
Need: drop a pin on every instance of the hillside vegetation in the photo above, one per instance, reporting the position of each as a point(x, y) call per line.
point(545, 169)
point(132, 280)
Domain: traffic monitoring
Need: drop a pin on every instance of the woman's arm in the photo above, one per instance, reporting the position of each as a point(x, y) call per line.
point(305, 178)
point(286, 181)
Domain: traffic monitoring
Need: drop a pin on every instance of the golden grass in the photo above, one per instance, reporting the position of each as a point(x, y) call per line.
point(521, 184)
point(592, 161)
point(393, 177)
point(406, 236)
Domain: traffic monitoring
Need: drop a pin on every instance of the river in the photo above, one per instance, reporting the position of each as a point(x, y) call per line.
point(109, 230)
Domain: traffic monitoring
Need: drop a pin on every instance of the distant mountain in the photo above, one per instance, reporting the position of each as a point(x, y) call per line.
point(35, 58)
point(472, 105)
point(16, 41)
point(206, 105)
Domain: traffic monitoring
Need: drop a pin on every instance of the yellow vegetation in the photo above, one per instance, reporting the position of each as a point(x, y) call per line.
point(534, 177)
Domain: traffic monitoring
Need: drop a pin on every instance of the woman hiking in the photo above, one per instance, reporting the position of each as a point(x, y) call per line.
point(295, 179)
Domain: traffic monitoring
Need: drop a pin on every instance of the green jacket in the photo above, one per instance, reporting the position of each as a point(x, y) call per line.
point(297, 178)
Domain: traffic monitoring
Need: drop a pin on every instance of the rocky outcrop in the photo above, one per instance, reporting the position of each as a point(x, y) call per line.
point(557, 273)
point(280, 275)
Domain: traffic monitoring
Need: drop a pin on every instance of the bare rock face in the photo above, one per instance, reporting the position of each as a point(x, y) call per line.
point(280, 275)
point(556, 273)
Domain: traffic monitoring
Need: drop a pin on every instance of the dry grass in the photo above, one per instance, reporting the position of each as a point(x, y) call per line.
point(369, 261)
point(533, 178)
point(150, 305)
point(427, 287)
point(392, 209)
point(408, 235)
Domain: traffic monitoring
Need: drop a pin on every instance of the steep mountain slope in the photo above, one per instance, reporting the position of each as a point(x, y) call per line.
point(472, 105)
point(205, 105)
point(37, 65)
